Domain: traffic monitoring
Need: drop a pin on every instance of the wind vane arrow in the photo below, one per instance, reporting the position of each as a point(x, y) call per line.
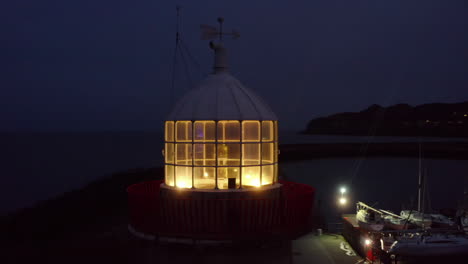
point(209, 32)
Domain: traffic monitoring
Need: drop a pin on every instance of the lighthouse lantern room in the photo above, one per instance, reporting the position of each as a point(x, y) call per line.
point(221, 135)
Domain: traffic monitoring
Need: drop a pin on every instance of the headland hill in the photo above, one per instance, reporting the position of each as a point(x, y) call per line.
point(435, 120)
point(427, 120)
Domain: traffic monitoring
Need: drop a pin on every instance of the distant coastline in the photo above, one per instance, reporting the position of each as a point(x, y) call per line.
point(428, 120)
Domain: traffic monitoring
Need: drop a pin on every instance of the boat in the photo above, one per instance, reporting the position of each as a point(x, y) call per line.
point(418, 218)
point(462, 217)
point(464, 223)
point(428, 220)
point(462, 214)
point(396, 223)
point(427, 245)
point(441, 221)
point(369, 218)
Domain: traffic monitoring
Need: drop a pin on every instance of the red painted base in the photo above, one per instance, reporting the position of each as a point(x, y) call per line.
point(282, 210)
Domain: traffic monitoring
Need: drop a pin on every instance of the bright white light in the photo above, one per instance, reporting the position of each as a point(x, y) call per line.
point(342, 190)
point(206, 174)
point(248, 176)
point(182, 184)
point(367, 242)
point(256, 183)
point(343, 201)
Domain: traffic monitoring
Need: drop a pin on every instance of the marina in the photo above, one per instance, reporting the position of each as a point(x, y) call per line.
point(405, 237)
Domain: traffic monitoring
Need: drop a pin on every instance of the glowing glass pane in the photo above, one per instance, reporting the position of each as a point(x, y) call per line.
point(204, 177)
point(268, 131)
point(204, 154)
point(183, 177)
point(268, 153)
point(276, 130)
point(275, 153)
point(228, 131)
point(251, 176)
point(169, 153)
point(251, 154)
point(275, 173)
point(267, 174)
point(251, 131)
point(169, 131)
point(224, 174)
point(183, 131)
point(169, 175)
point(204, 131)
point(228, 154)
point(183, 154)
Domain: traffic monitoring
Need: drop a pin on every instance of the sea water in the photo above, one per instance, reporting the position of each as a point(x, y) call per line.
point(38, 166)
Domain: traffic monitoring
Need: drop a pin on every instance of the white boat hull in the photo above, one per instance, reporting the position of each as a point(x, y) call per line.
point(430, 247)
point(393, 226)
point(371, 227)
point(364, 223)
point(417, 218)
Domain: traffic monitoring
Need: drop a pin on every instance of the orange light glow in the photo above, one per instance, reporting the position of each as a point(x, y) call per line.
point(201, 154)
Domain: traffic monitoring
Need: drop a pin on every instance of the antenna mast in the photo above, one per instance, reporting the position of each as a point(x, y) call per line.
point(174, 59)
point(220, 21)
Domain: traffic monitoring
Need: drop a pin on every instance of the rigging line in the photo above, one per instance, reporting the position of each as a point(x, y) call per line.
point(365, 147)
point(191, 57)
point(174, 59)
point(427, 192)
point(186, 68)
point(371, 135)
point(174, 65)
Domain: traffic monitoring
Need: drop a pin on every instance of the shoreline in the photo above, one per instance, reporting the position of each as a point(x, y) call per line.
point(102, 204)
point(432, 150)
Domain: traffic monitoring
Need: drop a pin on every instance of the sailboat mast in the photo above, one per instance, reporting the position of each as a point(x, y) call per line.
point(420, 193)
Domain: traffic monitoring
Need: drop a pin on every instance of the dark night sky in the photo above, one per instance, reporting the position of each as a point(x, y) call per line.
point(105, 64)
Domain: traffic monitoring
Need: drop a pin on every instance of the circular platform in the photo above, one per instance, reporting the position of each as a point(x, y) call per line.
point(279, 210)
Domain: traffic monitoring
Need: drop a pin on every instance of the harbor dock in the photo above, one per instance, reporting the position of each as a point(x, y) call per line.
point(367, 245)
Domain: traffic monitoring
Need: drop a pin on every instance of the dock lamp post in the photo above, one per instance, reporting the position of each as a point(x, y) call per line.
point(343, 190)
point(342, 200)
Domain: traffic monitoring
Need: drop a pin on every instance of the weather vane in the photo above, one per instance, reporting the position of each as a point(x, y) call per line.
point(210, 32)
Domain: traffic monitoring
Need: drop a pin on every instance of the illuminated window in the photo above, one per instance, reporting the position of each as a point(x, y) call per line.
point(183, 131)
point(223, 154)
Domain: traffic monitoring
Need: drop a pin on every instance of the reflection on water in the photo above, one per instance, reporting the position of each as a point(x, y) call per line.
point(385, 182)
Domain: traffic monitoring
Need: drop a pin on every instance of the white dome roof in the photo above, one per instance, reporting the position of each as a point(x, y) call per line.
point(221, 97)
